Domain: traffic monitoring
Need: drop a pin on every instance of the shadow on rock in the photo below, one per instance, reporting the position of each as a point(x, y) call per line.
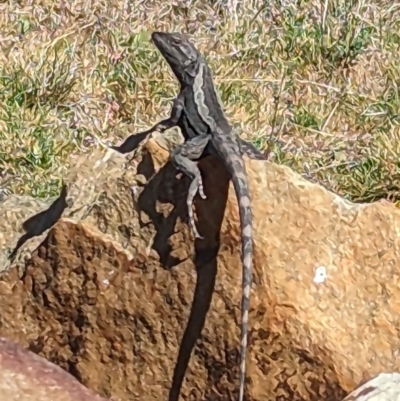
point(164, 191)
point(39, 223)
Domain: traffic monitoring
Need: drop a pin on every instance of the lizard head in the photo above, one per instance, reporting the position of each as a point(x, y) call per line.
point(180, 54)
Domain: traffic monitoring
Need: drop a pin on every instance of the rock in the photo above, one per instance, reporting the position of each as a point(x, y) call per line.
point(383, 387)
point(108, 292)
point(25, 376)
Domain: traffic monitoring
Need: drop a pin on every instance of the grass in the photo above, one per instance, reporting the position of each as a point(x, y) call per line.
point(314, 81)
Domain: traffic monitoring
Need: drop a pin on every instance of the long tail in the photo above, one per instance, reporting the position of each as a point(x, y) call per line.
point(242, 193)
point(228, 149)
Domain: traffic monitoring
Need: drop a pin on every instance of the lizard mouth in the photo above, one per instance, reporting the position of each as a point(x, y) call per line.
point(159, 38)
point(164, 41)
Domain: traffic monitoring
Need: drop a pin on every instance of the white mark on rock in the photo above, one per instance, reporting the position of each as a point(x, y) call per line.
point(320, 275)
point(135, 189)
point(106, 282)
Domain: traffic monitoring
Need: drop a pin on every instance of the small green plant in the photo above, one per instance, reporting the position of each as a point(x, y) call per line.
point(315, 82)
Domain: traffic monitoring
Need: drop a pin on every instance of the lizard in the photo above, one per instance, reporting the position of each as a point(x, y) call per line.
point(198, 118)
point(198, 112)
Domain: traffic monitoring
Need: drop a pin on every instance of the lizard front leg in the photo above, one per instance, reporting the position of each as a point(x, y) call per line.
point(250, 150)
point(133, 141)
point(183, 157)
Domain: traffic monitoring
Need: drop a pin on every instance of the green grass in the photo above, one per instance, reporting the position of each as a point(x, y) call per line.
point(316, 82)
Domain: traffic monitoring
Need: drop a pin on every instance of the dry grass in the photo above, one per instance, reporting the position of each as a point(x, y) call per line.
point(317, 80)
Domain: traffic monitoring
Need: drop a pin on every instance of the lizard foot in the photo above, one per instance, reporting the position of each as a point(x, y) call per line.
point(201, 190)
point(196, 185)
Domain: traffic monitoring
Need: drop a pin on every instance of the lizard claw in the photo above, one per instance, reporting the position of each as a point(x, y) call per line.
point(192, 222)
point(195, 232)
point(202, 194)
point(200, 189)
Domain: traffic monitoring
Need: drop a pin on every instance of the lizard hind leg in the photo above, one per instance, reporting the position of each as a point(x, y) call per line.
point(195, 186)
point(183, 157)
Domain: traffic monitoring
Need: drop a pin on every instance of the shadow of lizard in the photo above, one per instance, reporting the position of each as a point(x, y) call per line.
point(165, 188)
